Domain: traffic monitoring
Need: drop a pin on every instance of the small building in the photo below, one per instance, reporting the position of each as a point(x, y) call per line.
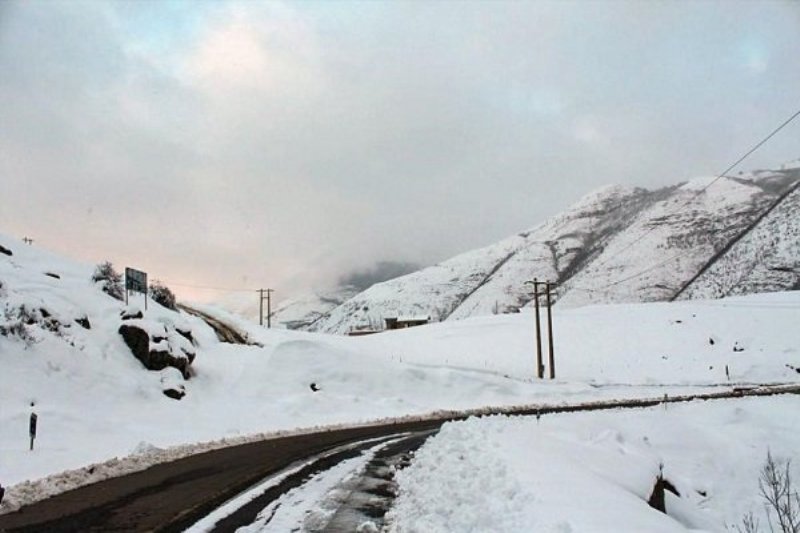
point(362, 329)
point(361, 332)
point(402, 322)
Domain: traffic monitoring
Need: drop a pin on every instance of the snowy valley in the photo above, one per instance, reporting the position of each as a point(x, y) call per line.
point(102, 413)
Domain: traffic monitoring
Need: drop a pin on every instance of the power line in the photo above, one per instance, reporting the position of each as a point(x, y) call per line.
point(221, 289)
point(704, 189)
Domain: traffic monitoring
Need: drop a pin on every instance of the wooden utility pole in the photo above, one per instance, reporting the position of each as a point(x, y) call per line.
point(269, 308)
point(261, 298)
point(539, 365)
point(552, 359)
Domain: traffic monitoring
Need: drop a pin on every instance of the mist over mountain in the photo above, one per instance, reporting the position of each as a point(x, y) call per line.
point(381, 271)
point(708, 237)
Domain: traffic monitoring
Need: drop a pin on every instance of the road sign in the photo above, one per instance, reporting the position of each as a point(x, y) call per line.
point(135, 280)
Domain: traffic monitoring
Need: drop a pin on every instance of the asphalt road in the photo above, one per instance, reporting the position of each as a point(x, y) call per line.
point(173, 496)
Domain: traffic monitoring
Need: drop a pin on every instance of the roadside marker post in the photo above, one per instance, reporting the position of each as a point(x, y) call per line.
point(32, 428)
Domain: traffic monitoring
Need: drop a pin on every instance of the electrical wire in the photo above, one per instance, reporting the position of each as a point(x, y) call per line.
point(221, 289)
point(692, 198)
point(712, 182)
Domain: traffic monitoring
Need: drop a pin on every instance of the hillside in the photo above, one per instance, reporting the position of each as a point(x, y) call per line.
point(60, 348)
point(615, 245)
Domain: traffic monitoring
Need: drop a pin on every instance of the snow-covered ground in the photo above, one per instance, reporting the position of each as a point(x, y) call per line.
point(594, 472)
point(95, 401)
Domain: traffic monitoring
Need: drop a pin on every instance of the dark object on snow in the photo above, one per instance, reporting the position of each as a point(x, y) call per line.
point(138, 341)
point(314, 387)
point(176, 393)
point(711, 341)
point(737, 348)
point(163, 295)
point(795, 368)
point(4, 250)
point(127, 314)
point(656, 500)
point(52, 275)
point(186, 335)
point(2, 493)
point(110, 280)
point(84, 322)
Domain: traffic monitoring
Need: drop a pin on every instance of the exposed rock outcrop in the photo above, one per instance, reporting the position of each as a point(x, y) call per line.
point(159, 346)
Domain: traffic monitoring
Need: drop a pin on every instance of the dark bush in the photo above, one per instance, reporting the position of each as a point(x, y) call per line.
point(110, 280)
point(163, 295)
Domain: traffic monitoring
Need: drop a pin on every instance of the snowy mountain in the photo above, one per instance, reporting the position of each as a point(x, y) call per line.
point(617, 244)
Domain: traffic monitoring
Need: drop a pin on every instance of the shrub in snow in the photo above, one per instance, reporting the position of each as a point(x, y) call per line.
point(781, 499)
point(162, 294)
point(15, 322)
point(110, 280)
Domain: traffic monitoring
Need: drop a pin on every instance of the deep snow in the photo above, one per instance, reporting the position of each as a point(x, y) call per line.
point(594, 472)
point(95, 401)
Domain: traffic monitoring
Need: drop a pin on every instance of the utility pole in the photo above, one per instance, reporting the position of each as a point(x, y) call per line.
point(550, 332)
point(269, 308)
point(261, 298)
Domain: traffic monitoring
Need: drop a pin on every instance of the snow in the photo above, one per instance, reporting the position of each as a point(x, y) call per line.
point(310, 506)
point(325, 481)
point(594, 472)
point(615, 245)
point(766, 259)
point(102, 414)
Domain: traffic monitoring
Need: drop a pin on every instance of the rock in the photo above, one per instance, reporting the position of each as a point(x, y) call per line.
point(52, 275)
point(4, 250)
point(176, 393)
point(84, 322)
point(171, 384)
point(657, 496)
point(158, 357)
point(185, 333)
point(131, 313)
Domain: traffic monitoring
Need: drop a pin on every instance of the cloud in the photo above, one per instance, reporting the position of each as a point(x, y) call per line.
point(239, 144)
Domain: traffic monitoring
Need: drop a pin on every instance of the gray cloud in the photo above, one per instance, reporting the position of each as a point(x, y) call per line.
point(249, 144)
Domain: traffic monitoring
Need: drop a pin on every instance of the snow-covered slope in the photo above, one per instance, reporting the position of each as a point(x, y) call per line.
point(615, 245)
point(492, 278)
point(765, 259)
point(96, 401)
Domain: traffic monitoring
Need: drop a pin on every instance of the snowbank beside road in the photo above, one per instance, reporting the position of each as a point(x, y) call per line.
point(594, 472)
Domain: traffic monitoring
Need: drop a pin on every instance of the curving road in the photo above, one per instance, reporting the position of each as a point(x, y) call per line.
point(173, 496)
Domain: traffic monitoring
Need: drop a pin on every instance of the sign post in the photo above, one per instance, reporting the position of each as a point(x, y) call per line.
point(32, 428)
point(136, 281)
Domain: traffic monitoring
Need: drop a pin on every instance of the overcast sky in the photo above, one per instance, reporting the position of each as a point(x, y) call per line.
point(250, 145)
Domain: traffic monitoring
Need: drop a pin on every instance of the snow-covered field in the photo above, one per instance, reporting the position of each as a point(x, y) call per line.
point(594, 472)
point(95, 401)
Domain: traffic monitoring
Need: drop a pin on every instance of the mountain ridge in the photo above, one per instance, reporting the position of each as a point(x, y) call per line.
point(606, 240)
